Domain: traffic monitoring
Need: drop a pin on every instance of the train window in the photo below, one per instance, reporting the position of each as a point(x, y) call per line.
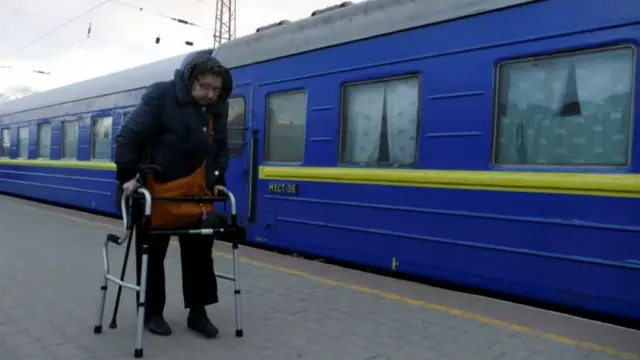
point(23, 142)
point(44, 141)
point(69, 142)
point(236, 126)
point(118, 124)
point(380, 122)
point(5, 137)
point(286, 124)
point(571, 109)
point(101, 138)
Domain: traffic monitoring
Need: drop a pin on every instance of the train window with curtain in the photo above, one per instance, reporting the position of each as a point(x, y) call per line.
point(44, 141)
point(5, 137)
point(380, 121)
point(571, 109)
point(286, 126)
point(69, 140)
point(236, 125)
point(101, 138)
point(23, 142)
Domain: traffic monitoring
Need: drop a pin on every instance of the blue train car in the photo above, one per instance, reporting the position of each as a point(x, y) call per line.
point(491, 144)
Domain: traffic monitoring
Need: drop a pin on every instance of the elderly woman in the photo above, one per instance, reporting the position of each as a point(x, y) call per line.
point(180, 126)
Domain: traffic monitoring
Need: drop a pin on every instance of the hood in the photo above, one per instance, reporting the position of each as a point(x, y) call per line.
point(191, 55)
point(188, 65)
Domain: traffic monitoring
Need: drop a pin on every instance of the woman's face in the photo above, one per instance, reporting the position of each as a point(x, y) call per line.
point(206, 89)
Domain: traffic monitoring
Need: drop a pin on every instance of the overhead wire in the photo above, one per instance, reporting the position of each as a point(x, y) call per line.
point(155, 14)
point(178, 20)
point(50, 32)
point(97, 31)
point(91, 29)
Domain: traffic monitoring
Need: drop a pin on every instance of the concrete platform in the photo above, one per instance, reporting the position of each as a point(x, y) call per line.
point(50, 268)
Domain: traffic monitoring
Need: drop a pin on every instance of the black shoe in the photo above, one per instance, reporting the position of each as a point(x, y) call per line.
point(199, 322)
point(157, 325)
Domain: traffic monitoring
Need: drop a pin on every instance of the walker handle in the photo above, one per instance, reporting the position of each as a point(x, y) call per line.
point(232, 201)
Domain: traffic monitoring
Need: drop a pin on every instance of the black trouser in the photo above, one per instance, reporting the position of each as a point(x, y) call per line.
point(199, 284)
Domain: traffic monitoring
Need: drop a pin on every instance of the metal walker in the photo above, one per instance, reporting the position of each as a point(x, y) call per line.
point(229, 231)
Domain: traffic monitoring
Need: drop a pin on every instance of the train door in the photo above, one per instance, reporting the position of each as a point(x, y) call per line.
point(238, 173)
point(280, 118)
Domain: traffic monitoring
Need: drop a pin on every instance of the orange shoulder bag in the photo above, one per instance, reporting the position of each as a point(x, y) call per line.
point(167, 214)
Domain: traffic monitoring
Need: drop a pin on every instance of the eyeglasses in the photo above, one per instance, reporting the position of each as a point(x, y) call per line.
point(209, 87)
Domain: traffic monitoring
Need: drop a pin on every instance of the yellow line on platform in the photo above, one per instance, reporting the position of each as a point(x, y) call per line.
point(395, 297)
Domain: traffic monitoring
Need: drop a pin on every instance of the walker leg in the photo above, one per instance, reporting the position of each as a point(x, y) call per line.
point(114, 322)
point(236, 291)
point(141, 304)
point(97, 329)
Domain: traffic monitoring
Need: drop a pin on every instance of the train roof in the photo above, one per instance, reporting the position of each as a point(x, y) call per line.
point(346, 23)
point(339, 24)
point(126, 80)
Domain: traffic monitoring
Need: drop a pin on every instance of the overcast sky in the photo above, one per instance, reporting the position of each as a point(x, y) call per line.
point(121, 37)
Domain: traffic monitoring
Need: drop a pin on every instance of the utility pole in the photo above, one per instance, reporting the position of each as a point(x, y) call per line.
point(224, 27)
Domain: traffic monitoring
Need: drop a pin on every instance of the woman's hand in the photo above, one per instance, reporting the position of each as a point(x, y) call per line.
point(129, 186)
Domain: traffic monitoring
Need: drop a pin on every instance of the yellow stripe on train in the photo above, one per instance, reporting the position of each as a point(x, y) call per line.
point(617, 185)
point(68, 164)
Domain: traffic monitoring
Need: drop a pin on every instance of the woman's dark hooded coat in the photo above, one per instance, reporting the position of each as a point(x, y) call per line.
point(170, 123)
